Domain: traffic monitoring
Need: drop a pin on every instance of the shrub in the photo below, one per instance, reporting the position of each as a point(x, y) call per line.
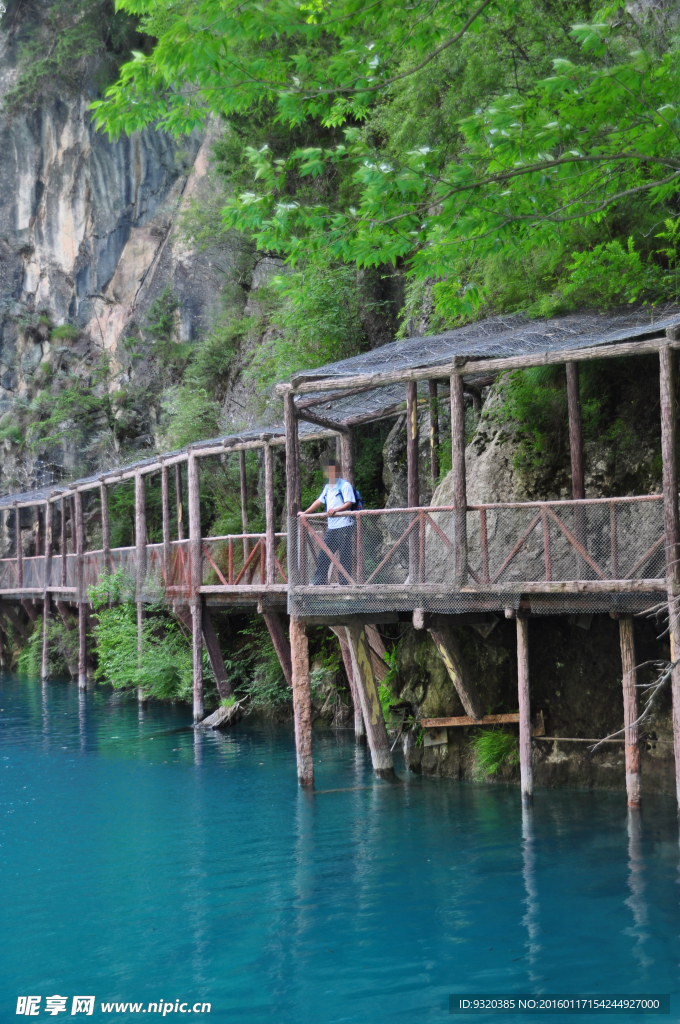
point(494, 751)
point(67, 331)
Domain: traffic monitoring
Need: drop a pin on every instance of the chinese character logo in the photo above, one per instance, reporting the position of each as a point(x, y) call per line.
point(29, 1006)
point(83, 1004)
point(56, 1004)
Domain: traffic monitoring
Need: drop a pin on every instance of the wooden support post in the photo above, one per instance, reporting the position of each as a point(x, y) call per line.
point(449, 651)
point(140, 557)
point(165, 506)
point(36, 530)
point(196, 569)
point(292, 484)
point(178, 501)
point(270, 523)
point(20, 552)
point(412, 483)
point(630, 711)
point(279, 640)
point(62, 545)
point(106, 527)
point(670, 505)
point(458, 479)
point(376, 730)
point(243, 481)
point(45, 663)
point(346, 452)
point(302, 703)
point(526, 773)
point(3, 659)
point(575, 440)
point(434, 433)
point(80, 576)
point(359, 727)
point(72, 502)
point(224, 687)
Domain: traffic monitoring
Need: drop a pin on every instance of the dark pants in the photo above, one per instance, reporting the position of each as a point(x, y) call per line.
point(339, 540)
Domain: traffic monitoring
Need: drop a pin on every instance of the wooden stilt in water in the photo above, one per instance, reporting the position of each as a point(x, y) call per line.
point(45, 663)
point(140, 561)
point(526, 772)
point(671, 532)
point(374, 720)
point(212, 646)
point(449, 651)
point(196, 564)
point(359, 727)
point(80, 574)
point(434, 433)
point(302, 703)
point(630, 711)
point(278, 639)
point(458, 479)
point(106, 527)
point(178, 501)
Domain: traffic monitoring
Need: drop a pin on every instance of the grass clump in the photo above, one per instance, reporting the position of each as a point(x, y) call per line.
point(496, 752)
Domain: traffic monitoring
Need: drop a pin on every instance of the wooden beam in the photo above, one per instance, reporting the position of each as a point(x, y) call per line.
point(440, 723)
point(575, 439)
point(212, 645)
point(279, 640)
point(322, 421)
point(244, 502)
point(165, 512)
point(374, 720)
point(106, 527)
point(461, 366)
point(434, 433)
point(19, 549)
point(630, 711)
point(525, 767)
point(82, 608)
point(359, 727)
point(140, 562)
point(458, 480)
point(196, 570)
point(292, 458)
point(269, 514)
point(62, 545)
point(302, 703)
point(449, 651)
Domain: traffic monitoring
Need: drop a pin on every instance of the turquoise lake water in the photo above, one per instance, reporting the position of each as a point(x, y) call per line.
point(143, 862)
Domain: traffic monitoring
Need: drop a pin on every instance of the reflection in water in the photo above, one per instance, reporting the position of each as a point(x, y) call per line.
point(530, 919)
point(198, 746)
point(636, 883)
point(45, 714)
point(82, 719)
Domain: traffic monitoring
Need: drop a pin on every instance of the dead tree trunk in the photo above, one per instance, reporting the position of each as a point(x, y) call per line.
point(449, 651)
point(376, 730)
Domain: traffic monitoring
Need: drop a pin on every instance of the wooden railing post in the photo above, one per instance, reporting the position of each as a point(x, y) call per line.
point(106, 527)
point(670, 507)
point(525, 767)
point(630, 711)
point(458, 478)
point(62, 544)
point(178, 501)
point(270, 526)
point(196, 569)
point(45, 663)
point(165, 505)
point(412, 480)
point(19, 549)
point(434, 434)
point(80, 578)
point(243, 481)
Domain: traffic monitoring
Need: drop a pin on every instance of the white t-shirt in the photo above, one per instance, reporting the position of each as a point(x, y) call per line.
point(333, 496)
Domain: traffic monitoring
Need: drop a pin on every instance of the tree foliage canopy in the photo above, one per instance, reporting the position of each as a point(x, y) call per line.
point(582, 123)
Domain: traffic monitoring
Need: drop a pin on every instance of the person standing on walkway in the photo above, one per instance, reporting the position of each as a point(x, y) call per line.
point(336, 497)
